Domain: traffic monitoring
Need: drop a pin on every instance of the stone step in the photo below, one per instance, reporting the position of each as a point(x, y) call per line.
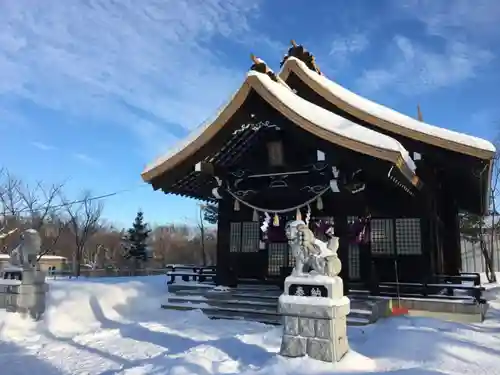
point(257, 289)
point(255, 296)
point(243, 288)
point(264, 316)
point(260, 319)
point(357, 308)
point(187, 289)
point(361, 309)
point(192, 286)
point(357, 321)
point(258, 305)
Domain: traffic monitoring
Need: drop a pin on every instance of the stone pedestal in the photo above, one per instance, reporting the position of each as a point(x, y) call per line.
point(26, 296)
point(314, 314)
point(32, 293)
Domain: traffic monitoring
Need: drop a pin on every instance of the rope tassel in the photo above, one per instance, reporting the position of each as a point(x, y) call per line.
point(255, 216)
point(265, 223)
point(308, 215)
point(276, 220)
point(319, 204)
point(298, 215)
point(236, 205)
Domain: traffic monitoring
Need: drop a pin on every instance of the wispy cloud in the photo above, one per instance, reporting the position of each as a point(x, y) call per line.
point(344, 46)
point(486, 121)
point(86, 159)
point(99, 59)
point(42, 146)
point(457, 43)
point(413, 68)
point(455, 19)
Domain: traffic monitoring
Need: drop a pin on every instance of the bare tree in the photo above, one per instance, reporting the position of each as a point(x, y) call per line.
point(91, 255)
point(494, 192)
point(52, 232)
point(161, 243)
point(107, 249)
point(41, 209)
point(9, 196)
point(34, 207)
point(201, 227)
point(83, 221)
point(39, 203)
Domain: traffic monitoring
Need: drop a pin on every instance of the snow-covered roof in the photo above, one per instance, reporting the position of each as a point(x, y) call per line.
point(10, 268)
point(44, 257)
point(310, 117)
point(387, 118)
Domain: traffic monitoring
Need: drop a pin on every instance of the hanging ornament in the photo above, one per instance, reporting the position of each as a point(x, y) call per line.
point(255, 216)
point(265, 223)
point(298, 215)
point(236, 205)
point(276, 220)
point(308, 215)
point(319, 203)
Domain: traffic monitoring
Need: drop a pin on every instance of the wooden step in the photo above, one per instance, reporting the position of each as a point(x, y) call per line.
point(265, 316)
point(260, 319)
point(227, 302)
point(271, 303)
point(247, 296)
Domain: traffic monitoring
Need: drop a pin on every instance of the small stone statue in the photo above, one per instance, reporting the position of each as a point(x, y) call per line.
point(26, 253)
point(311, 252)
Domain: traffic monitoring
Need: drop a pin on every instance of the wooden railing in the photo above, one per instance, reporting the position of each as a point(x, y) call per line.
point(459, 287)
point(190, 273)
point(108, 273)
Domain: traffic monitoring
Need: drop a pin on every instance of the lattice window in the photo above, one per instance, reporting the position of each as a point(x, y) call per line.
point(408, 236)
point(235, 238)
point(354, 262)
point(277, 255)
point(291, 258)
point(351, 219)
point(382, 236)
point(250, 237)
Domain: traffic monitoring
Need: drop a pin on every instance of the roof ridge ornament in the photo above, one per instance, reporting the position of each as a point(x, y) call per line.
point(260, 66)
point(419, 114)
point(298, 51)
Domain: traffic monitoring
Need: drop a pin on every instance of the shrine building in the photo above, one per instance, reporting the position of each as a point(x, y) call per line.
point(296, 144)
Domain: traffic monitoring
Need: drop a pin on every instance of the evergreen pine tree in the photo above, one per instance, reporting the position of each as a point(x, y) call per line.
point(136, 239)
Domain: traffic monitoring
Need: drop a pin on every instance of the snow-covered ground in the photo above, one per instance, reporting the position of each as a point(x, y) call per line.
point(115, 326)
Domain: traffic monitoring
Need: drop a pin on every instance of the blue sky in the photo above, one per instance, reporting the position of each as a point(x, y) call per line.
point(91, 91)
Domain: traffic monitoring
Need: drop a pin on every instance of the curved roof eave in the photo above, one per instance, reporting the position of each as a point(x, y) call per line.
point(310, 117)
point(198, 137)
point(386, 118)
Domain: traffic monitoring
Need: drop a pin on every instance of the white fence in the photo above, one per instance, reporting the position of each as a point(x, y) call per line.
point(473, 260)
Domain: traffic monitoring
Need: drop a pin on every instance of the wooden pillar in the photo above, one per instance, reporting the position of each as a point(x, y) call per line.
point(223, 274)
point(429, 228)
point(451, 235)
point(429, 245)
point(431, 218)
point(341, 231)
point(365, 262)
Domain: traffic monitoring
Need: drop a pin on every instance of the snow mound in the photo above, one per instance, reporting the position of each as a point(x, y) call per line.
point(115, 326)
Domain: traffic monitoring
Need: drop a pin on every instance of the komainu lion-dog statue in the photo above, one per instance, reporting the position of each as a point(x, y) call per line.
point(310, 252)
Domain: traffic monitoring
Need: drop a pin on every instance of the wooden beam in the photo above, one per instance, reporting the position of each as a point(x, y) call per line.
point(204, 167)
